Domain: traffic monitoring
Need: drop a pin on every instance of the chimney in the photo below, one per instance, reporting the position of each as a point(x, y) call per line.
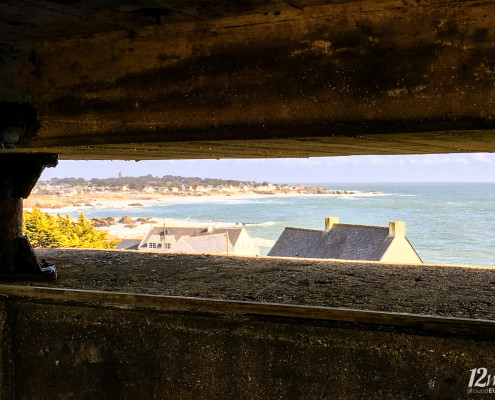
point(330, 221)
point(397, 228)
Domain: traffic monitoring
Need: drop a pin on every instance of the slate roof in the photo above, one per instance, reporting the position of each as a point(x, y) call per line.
point(210, 244)
point(157, 230)
point(234, 233)
point(345, 242)
point(128, 244)
point(178, 232)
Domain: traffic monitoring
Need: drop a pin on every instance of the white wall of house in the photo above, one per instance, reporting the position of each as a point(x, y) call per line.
point(151, 242)
point(401, 251)
point(244, 246)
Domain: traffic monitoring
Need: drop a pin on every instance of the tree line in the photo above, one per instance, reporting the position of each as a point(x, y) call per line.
point(138, 182)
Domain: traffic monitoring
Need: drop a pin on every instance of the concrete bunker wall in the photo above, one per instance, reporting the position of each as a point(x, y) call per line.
point(360, 77)
point(55, 349)
point(94, 80)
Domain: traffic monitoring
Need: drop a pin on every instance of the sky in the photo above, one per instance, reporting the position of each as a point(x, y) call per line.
point(467, 167)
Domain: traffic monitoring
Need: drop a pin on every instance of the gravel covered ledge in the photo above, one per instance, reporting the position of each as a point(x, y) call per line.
point(463, 292)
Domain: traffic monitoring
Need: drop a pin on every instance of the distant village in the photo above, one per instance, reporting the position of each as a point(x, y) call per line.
point(169, 185)
point(184, 190)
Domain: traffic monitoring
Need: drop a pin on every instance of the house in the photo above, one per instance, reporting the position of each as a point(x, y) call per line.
point(204, 240)
point(347, 242)
point(149, 189)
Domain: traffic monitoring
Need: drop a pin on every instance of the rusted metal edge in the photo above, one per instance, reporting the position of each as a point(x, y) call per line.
point(417, 322)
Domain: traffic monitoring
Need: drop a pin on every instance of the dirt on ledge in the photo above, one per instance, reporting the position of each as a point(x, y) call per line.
point(429, 290)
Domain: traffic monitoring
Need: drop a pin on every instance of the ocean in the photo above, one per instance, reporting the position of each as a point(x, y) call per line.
point(447, 223)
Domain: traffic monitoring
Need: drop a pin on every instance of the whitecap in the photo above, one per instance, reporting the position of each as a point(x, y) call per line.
point(268, 223)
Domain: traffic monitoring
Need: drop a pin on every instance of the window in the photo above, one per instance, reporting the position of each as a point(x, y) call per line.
point(168, 246)
point(152, 245)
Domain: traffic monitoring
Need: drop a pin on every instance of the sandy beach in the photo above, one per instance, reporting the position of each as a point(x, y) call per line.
point(123, 199)
point(114, 199)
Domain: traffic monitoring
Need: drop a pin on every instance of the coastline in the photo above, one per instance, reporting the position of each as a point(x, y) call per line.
point(456, 215)
point(124, 199)
point(127, 203)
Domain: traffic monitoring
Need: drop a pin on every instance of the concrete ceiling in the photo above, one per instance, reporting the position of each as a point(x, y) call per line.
point(107, 79)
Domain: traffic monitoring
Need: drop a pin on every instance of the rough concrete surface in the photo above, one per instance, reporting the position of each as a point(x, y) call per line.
point(429, 290)
point(192, 79)
point(62, 349)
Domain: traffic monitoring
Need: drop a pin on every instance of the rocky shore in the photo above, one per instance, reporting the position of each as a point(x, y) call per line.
point(126, 220)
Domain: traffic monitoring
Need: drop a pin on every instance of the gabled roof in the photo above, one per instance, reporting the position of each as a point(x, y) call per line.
point(209, 244)
point(178, 232)
point(345, 242)
point(234, 233)
point(155, 231)
point(181, 246)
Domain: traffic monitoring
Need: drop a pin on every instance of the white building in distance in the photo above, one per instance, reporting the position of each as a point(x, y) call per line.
point(204, 240)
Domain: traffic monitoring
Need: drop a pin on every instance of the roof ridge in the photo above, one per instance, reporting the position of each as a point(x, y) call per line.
point(364, 226)
point(304, 229)
point(196, 227)
point(350, 225)
point(205, 236)
point(186, 227)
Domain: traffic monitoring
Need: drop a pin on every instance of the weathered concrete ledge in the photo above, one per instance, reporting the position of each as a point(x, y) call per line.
point(373, 319)
point(64, 342)
point(67, 344)
point(417, 289)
